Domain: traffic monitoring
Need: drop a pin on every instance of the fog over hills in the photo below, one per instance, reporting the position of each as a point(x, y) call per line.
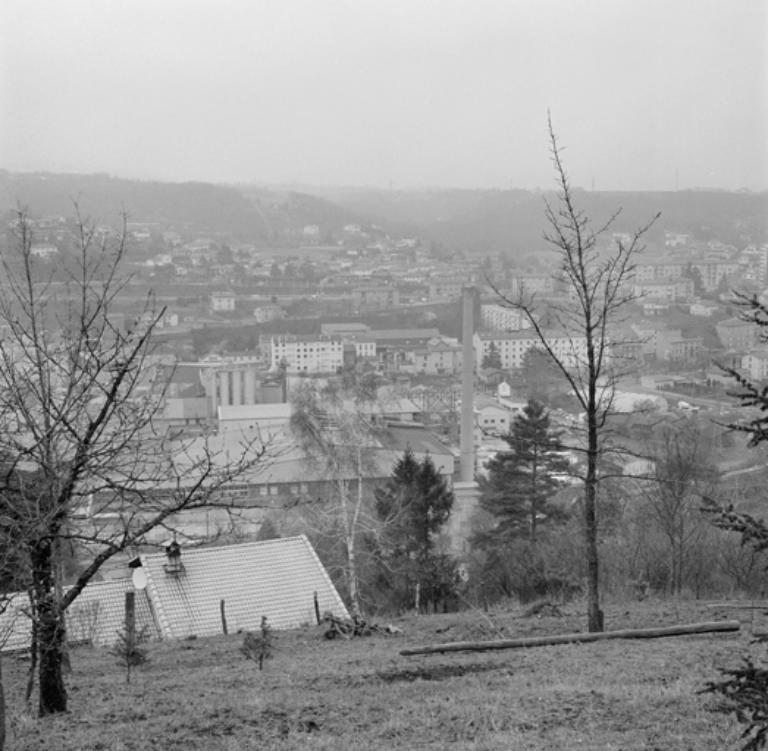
point(481, 221)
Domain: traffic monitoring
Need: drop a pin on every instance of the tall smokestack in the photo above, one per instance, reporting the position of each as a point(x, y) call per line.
point(467, 432)
point(465, 489)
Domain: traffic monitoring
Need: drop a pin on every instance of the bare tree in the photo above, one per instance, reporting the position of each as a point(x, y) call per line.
point(339, 444)
point(84, 462)
point(598, 282)
point(683, 472)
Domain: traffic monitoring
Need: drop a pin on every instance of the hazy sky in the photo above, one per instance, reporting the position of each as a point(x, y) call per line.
point(409, 93)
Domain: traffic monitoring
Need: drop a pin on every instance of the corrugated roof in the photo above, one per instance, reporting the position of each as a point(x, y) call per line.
point(272, 578)
point(269, 411)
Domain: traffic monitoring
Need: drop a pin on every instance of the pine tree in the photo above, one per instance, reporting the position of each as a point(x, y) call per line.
point(415, 503)
point(413, 507)
point(492, 358)
point(522, 481)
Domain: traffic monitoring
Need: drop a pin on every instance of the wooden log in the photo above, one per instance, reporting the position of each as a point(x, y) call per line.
point(545, 641)
point(738, 605)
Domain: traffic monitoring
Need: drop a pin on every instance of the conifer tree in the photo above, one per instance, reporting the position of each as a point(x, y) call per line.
point(492, 358)
point(522, 481)
point(414, 505)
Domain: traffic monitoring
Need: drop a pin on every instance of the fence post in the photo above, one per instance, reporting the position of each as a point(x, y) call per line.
point(130, 616)
point(222, 607)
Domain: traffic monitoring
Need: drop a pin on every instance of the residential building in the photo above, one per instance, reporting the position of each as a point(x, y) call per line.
point(447, 286)
point(344, 329)
point(703, 309)
point(223, 302)
point(438, 358)
point(736, 333)
point(658, 269)
point(374, 297)
point(500, 318)
point(44, 251)
point(715, 271)
point(532, 283)
point(755, 364)
point(306, 354)
point(672, 346)
point(669, 290)
point(264, 313)
point(395, 347)
point(513, 345)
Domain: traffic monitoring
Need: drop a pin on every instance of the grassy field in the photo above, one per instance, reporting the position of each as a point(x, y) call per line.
point(361, 694)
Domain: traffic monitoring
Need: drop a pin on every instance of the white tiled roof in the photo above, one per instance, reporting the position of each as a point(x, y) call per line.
point(275, 578)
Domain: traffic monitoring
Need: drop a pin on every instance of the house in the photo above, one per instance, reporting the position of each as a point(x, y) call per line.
point(223, 302)
point(273, 578)
point(703, 309)
point(185, 596)
point(94, 617)
point(532, 283)
point(492, 417)
point(375, 297)
point(755, 363)
point(672, 346)
point(438, 358)
point(44, 251)
point(736, 333)
point(271, 312)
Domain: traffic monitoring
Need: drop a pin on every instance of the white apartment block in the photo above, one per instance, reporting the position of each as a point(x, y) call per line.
point(664, 289)
point(306, 354)
point(512, 347)
point(364, 347)
point(499, 318)
point(755, 364)
point(222, 302)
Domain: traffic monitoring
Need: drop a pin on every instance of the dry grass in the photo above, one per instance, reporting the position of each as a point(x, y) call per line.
point(362, 694)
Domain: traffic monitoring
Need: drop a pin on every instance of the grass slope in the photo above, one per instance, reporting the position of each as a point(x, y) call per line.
point(360, 694)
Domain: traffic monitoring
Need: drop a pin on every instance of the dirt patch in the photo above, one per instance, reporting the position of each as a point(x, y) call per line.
point(435, 672)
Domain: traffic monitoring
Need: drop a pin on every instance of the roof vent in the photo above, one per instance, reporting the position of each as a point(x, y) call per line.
point(174, 566)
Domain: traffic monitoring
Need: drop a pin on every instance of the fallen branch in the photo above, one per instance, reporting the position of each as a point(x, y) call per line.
point(356, 626)
point(544, 641)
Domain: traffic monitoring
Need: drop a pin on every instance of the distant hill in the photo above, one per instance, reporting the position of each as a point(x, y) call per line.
point(247, 214)
point(492, 221)
point(476, 221)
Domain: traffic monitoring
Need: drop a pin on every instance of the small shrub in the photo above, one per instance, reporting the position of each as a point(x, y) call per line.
point(258, 646)
point(127, 650)
point(745, 691)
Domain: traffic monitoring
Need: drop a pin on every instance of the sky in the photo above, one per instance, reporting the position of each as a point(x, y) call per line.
point(643, 94)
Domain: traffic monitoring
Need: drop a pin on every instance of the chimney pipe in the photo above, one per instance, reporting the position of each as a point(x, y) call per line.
point(467, 432)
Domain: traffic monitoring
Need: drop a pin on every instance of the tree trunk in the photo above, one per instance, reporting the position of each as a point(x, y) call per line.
point(594, 614)
point(50, 632)
point(354, 595)
point(2, 708)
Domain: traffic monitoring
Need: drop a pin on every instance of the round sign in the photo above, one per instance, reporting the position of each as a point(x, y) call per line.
point(139, 578)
